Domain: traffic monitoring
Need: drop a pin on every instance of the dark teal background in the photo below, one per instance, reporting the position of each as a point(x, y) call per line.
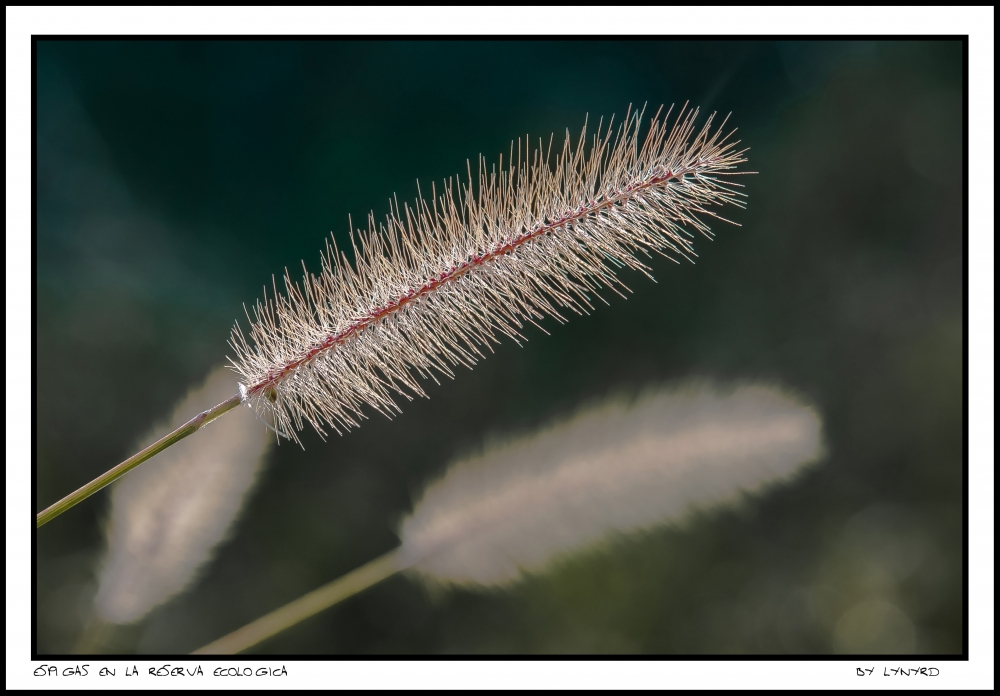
point(174, 178)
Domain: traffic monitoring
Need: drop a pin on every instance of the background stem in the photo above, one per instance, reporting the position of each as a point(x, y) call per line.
point(192, 426)
point(305, 606)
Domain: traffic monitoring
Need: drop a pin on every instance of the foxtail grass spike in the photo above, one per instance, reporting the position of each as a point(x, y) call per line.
point(441, 280)
point(620, 468)
point(438, 283)
point(165, 521)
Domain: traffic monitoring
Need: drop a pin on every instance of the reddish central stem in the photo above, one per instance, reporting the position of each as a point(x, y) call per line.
point(274, 376)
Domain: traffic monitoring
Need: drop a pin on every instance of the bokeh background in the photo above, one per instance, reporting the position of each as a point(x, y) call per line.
point(174, 178)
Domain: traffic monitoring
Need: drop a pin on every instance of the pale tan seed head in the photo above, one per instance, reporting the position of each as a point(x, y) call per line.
point(437, 283)
point(617, 468)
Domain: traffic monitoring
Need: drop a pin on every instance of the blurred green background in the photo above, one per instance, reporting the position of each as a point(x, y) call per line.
point(174, 178)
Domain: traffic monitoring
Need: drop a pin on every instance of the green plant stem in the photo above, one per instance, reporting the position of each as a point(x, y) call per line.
point(305, 606)
point(192, 426)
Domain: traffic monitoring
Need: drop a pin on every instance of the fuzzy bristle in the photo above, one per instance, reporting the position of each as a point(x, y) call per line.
point(439, 282)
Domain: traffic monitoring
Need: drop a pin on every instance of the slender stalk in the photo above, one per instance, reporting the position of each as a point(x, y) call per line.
point(305, 606)
point(112, 475)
